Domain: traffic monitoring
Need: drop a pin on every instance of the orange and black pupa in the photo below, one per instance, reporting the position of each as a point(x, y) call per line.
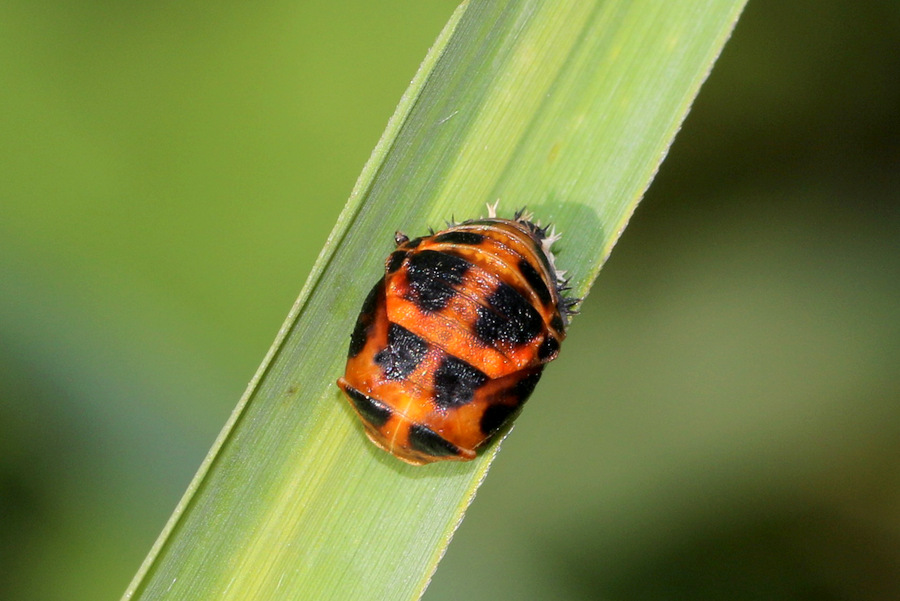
point(452, 340)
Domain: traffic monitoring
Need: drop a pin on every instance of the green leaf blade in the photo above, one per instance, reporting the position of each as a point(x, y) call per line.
point(567, 107)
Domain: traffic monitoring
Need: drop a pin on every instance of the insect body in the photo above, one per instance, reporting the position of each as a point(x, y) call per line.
point(452, 340)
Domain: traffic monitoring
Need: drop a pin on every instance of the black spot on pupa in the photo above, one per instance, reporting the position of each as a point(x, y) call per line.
point(455, 382)
point(371, 410)
point(395, 261)
point(365, 320)
point(432, 276)
point(509, 319)
point(470, 238)
point(403, 353)
point(548, 349)
point(524, 387)
point(489, 325)
point(535, 281)
point(430, 443)
point(495, 416)
point(557, 323)
point(414, 243)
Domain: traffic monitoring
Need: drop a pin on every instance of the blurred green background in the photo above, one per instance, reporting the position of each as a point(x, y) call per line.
point(169, 172)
